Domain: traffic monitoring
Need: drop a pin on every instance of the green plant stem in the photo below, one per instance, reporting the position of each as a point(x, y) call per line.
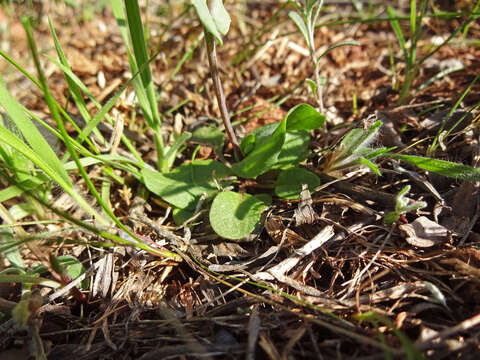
point(407, 84)
point(316, 74)
point(217, 84)
point(316, 70)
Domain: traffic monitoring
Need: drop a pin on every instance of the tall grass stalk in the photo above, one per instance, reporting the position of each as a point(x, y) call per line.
point(145, 87)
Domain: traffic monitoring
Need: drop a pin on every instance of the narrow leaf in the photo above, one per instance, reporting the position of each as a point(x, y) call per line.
point(31, 134)
point(298, 20)
point(398, 31)
point(340, 44)
point(442, 167)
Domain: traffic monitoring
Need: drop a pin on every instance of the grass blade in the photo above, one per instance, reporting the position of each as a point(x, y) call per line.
point(137, 36)
point(398, 31)
point(31, 134)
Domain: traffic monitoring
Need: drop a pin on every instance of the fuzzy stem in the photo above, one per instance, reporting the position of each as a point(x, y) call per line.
point(316, 74)
point(217, 84)
point(316, 70)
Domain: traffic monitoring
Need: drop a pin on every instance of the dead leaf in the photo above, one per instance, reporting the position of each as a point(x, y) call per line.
point(304, 213)
point(278, 231)
point(424, 233)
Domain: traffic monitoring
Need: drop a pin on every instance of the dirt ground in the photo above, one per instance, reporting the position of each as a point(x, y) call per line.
point(366, 291)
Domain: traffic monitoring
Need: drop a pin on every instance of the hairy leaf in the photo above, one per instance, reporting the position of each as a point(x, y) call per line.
point(442, 167)
point(289, 182)
point(234, 215)
point(183, 186)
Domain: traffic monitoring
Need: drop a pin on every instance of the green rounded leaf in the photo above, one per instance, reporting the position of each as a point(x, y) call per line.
point(234, 215)
point(183, 186)
point(289, 182)
point(304, 117)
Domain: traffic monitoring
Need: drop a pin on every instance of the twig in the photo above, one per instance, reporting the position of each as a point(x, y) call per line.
point(463, 326)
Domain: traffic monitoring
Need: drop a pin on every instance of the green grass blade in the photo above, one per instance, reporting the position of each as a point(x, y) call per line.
point(38, 84)
point(19, 68)
point(66, 138)
point(68, 143)
point(17, 163)
point(438, 76)
point(144, 89)
point(103, 110)
point(31, 133)
point(102, 233)
point(8, 138)
point(413, 16)
point(119, 14)
point(137, 36)
point(434, 144)
point(72, 86)
point(398, 31)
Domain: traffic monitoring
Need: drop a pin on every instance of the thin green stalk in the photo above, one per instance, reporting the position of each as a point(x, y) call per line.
point(103, 110)
point(105, 234)
point(311, 20)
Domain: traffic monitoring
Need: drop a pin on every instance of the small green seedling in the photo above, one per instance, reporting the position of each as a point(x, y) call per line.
point(278, 146)
point(68, 267)
point(411, 352)
point(305, 18)
point(355, 150)
point(403, 205)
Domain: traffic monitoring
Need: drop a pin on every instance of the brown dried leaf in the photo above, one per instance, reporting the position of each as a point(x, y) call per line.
point(424, 233)
point(277, 231)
